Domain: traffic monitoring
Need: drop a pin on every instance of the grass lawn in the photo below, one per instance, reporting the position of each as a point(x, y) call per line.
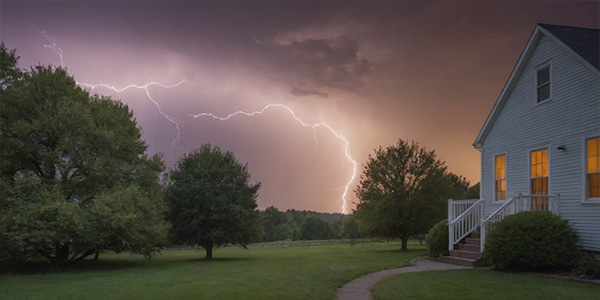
point(480, 284)
point(313, 272)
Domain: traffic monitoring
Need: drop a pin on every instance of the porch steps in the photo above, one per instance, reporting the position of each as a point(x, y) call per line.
point(468, 253)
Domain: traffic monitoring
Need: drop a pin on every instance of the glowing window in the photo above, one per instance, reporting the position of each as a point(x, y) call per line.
point(539, 178)
point(500, 177)
point(543, 84)
point(593, 167)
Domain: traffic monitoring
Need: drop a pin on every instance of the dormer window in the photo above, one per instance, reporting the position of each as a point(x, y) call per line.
point(543, 83)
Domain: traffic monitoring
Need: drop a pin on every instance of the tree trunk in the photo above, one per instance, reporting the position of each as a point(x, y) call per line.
point(62, 255)
point(209, 251)
point(404, 243)
point(96, 256)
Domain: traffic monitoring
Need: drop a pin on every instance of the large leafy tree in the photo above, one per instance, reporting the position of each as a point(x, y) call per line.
point(403, 191)
point(75, 178)
point(212, 200)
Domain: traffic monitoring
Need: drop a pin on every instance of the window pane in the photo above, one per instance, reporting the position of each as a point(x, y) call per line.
point(594, 185)
point(499, 167)
point(543, 92)
point(592, 164)
point(539, 186)
point(501, 190)
point(543, 75)
point(592, 147)
point(545, 156)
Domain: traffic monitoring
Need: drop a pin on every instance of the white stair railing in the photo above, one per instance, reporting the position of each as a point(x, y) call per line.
point(464, 216)
point(515, 205)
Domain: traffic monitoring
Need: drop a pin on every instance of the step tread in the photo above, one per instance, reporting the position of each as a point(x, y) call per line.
point(458, 261)
point(473, 241)
point(465, 254)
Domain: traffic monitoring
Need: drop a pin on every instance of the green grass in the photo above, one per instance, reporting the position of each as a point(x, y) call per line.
point(480, 284)
point(313, 272)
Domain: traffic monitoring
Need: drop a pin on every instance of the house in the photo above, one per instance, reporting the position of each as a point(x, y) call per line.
point(540, 144)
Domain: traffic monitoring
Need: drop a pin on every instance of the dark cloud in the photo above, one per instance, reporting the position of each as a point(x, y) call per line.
point(331, 63)
point(299, 92)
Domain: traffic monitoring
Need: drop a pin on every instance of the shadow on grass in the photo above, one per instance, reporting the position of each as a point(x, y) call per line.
point(44, 267)
point(215, 259)
point(108, 263)
point(398, 251)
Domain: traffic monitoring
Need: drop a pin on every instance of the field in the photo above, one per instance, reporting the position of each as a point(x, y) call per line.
point(270, 271)
point(297, 272)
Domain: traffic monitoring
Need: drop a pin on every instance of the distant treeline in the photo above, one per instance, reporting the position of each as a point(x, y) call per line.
point(298, 225)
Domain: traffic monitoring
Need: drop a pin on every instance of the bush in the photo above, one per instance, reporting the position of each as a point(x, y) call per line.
point(589, 266)
point(437, 239)
point(535, 240)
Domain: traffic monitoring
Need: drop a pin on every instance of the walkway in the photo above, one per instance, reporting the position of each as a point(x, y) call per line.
point(359, 288)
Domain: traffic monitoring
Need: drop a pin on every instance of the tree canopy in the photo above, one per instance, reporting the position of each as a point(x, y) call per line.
point(212, 200)
point(75, 178)
point(403, 191)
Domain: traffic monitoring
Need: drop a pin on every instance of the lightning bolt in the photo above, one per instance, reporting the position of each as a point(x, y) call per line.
point(51, 44)
point(314, 127)
point(145, 87)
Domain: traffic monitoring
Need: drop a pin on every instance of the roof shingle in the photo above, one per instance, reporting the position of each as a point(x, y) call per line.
point(584, 41)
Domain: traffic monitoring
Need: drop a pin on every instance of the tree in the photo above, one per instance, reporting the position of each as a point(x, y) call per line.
point(75, 178)
point(315, 229)
point(273, 222)
point(403, 191)
point(212, 201)
point(9, 72)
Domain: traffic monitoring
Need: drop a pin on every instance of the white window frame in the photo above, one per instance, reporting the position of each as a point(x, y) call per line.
point(584, 198)
point(530, 192)
point(494, 177)
point(548, 65)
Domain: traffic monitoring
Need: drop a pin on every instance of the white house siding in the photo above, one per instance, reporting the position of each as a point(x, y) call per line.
point(571, 116)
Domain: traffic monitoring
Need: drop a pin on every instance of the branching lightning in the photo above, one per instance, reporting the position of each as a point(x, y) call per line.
point(51, 44)
point(145, 87)
point(314, 127)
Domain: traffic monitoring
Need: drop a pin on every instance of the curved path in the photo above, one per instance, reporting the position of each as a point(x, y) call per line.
point(359, 288)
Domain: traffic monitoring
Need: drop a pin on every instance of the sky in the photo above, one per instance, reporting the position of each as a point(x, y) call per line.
point(327, 81)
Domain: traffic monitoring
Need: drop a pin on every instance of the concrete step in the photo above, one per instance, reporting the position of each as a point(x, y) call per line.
point(465, 254)
point(458, 261)
point(473, 241)
point(469, 247)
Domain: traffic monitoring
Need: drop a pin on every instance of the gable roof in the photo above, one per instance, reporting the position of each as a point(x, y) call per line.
point(582, 43)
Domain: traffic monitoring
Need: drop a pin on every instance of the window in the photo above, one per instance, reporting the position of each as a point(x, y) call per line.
point(592, 172)
point(543, 83)
point(539, 179)
point(500, 177)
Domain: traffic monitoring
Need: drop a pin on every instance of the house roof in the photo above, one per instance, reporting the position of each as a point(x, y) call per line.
point(582, 43)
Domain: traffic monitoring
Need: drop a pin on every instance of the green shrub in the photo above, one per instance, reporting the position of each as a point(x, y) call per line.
point(536, 240)
point(589, 266)
point(437, 239)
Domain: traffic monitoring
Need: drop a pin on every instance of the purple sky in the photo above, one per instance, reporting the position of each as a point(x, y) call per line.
point(373, 71)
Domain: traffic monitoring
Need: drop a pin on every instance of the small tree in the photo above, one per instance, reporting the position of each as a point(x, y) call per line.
point(212, 201)
point(403, 191)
